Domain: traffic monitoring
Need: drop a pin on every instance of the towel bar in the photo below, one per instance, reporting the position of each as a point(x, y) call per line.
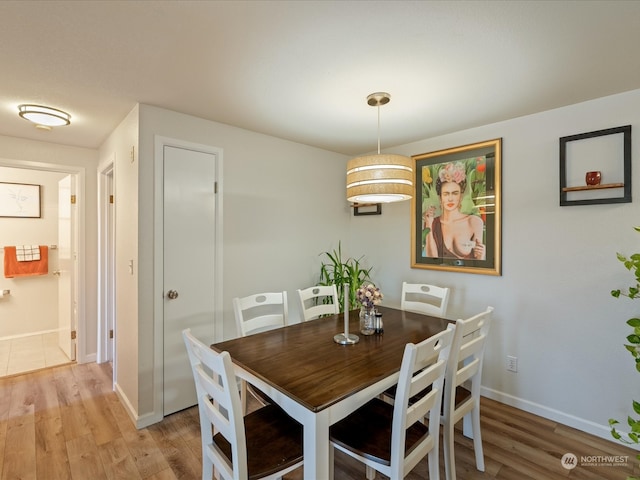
point(51, 247)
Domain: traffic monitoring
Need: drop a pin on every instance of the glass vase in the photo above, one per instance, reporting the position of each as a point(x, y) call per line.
point(367, 320)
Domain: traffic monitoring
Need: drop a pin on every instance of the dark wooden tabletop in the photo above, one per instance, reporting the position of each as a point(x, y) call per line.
point(304, 362)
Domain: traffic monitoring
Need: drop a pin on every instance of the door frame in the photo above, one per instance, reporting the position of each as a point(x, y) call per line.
point(106, 251)
point(78, 175)
point(158, 250)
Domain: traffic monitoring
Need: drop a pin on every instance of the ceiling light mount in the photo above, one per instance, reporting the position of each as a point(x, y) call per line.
point(44, 116)
point(378, 99)
point(381, 178)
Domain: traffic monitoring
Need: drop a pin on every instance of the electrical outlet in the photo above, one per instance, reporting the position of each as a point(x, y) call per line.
point(512, 363)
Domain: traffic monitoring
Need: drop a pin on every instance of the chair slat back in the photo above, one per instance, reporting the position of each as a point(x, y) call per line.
point(423, 366)
point(466, 356)
point(260, 312)
point(318, 300)
point(424, 298)
point(218, 405)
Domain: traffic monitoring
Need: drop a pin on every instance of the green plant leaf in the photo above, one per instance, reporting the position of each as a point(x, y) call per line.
point(633, 338)
point(339, 272)
point(631, 263)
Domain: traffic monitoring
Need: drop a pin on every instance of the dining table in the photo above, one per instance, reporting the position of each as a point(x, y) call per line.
point(318, 381)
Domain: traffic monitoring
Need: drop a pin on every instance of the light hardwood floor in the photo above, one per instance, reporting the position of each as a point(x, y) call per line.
point(66, 423)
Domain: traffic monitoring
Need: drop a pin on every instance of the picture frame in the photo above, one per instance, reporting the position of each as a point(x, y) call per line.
point(605, 153)
point(469, 179)
point(19, 200)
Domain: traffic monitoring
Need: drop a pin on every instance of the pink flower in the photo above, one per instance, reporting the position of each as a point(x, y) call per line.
point(369, 295)
point(452, 172)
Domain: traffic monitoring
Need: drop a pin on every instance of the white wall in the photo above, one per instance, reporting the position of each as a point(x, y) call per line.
point(283, 204)
point(34, 155)
point(552, 304)
point(116, 153)
point(33, 304)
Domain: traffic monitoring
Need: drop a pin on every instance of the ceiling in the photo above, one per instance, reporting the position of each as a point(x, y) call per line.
point(301, 70)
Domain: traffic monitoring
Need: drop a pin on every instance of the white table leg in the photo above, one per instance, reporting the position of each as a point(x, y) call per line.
point(316, 446)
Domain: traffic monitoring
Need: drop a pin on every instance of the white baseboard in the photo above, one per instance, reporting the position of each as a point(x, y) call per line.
point(91, 358)
point(30, 334)
point(148, 419)
point(587, 426)
point(139, 421)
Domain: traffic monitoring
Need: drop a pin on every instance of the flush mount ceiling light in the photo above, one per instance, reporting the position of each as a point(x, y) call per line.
point(44, 116)
point(381, 178)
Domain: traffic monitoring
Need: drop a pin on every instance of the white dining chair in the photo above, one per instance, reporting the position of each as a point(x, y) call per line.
point(425, 298)
point(317, 301)
point(462, 386)
point(392, 439)
point(258, 313)
point(265, 444)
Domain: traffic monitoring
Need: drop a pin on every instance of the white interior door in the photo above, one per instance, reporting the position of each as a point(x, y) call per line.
point(66, 304)
point(188, 284)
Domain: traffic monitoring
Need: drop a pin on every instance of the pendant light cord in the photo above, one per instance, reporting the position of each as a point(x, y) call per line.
point(378, 128)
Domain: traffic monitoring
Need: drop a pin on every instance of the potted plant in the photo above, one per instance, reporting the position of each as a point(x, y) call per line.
point(632, 264)
point(338, 272)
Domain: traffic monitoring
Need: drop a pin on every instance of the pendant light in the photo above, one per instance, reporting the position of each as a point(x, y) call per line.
point(380, 178)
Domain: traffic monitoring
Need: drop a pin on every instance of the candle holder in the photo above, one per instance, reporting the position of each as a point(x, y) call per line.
point(346, 338)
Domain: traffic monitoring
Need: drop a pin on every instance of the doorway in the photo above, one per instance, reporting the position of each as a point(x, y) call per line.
point(107, 256)
point(30, 339)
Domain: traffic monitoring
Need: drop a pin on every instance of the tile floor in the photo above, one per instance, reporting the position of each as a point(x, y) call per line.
point(26, 354)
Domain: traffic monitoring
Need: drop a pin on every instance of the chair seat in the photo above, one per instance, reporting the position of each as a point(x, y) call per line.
point(367, 432)
point(274, 441)
point(462, 394)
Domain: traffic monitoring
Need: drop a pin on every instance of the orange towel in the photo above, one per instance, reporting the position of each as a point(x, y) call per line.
point(14, 268)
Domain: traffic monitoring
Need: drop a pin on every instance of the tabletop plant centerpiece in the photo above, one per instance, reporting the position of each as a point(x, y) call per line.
point(632, 264)
point(368, 296)
point(337, 271)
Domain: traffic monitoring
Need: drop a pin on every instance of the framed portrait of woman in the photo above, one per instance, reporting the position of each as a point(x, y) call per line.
point(455, 209)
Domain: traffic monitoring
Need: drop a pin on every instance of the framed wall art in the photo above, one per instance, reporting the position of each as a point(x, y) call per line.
point(19, 200)
point(595, 167)
point(455, 209)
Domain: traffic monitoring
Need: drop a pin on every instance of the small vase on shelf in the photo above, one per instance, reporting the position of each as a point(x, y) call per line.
point(593, 178)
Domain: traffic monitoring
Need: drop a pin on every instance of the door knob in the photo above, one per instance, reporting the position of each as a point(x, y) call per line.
point(172, 294)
